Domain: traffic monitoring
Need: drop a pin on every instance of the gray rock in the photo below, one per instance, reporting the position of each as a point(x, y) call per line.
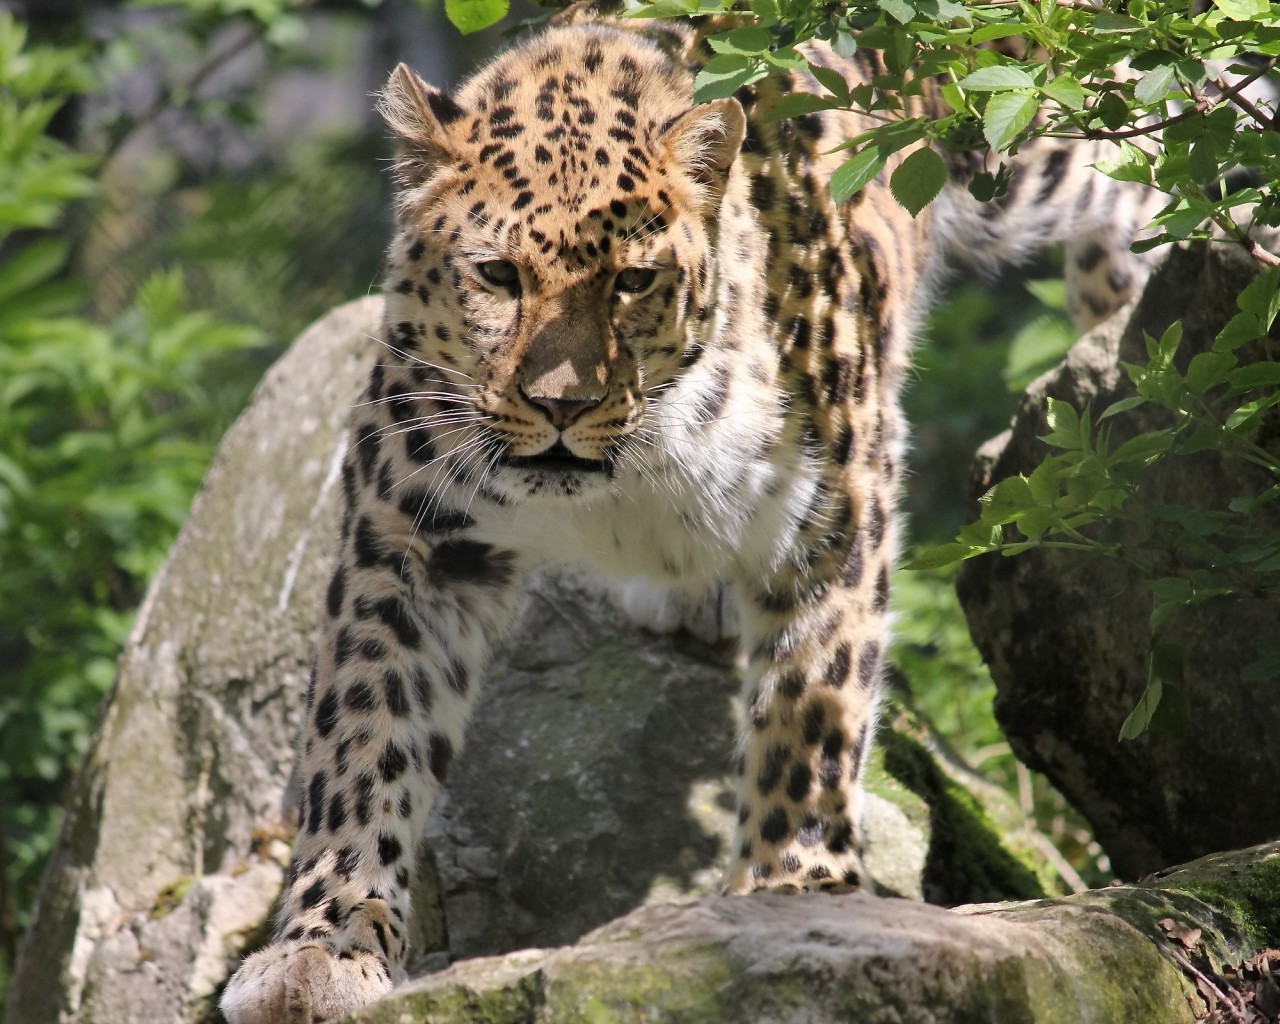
point(596, 778)
point(1100, 957)
point(1066, 635)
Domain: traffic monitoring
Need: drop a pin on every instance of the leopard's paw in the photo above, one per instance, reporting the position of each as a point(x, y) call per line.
point(303, 981)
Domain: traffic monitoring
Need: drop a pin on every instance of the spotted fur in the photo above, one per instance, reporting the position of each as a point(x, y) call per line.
point(633, 333)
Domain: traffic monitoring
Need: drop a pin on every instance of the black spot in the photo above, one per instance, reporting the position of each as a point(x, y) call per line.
point(315, 801)
point(343, 646)
point(1054, 167)
point(337, 812)
point(360, 696)
point(815, 717)
point(389, 850)
point(838, 671)
point(396, 617)
point(422, 689)
point(368, 545)
point(468, 561)
point(366, 448)
point(392, 763)
point(791, 685)
point(789, 863)
point(801, 332)
point(348, 861)
point(418, 446)
point(774, 827)
point(775, 762)
point(397, 701)
point(327, 713)
point(439, 754)
point(386, 482)
point(337, 592)
point(818, 872)
point(875, 523)
point(829, 772)
point(373, 649)
point(618, 208)
point(457, 678)
point(443, 106)
point(851, 574)
point(833, 743)
point(799, 781)
point(1090, 256)
point(314, 894)
point(405, 807)
point(880, 599)
point(763, 192)
point(869, 664)
point(364, 798)
point(837, 379)
point(840, 837)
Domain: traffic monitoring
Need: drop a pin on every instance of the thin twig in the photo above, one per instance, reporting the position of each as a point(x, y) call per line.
point(164, 101)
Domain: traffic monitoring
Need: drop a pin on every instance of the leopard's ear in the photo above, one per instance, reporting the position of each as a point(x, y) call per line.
point(421, 117)
point(706, 139)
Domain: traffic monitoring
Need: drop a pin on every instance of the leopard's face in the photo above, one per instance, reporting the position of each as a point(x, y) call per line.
point(552, 275)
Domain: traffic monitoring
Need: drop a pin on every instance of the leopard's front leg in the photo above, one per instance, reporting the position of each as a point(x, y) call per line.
point(410, 615)
point(814, 635)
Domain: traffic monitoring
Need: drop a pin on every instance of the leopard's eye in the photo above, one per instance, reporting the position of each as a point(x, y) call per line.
point(501, 273)
point(634, 279)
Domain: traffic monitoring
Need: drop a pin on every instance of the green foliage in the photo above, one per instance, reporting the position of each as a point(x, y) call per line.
point(1092, 496)
point(105, 431)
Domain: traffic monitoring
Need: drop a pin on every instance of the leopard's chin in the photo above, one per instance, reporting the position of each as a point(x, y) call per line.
point(557, 461)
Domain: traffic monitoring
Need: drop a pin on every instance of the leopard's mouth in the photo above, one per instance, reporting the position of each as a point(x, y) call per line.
point(560, 461)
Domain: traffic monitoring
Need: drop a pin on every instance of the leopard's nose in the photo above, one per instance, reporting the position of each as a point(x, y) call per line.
point(561, 411)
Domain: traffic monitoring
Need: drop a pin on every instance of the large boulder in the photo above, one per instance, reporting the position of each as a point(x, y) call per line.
point(1150, 954)
point(597, 776)
point(1066, 635)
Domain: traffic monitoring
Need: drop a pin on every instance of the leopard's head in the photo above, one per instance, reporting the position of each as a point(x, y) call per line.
point(553, 269)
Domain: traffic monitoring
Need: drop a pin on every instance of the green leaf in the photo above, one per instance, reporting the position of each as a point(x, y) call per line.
point(918, 180)
point(1240, 330)
point(1243, 10)
point(1112, 110)
point(941, 555)
point(1132, 165)
point(1006, 115)
point(1208, 369)
point(470, 16)
point(832, 81)
point(1064, 425)
point(744, 41)
point(795, 104)
point(900, 10)
point(1255, 375)
point(1067, 91)
point(1140, 717)
point(1261, 297)
point(724, 74)
point(997, 78)
point(1124, 405)
point(1154, 85)
point(767, 12)
point(855, 172)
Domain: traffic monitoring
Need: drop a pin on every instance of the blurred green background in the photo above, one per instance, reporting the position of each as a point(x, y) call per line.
point(183, 187)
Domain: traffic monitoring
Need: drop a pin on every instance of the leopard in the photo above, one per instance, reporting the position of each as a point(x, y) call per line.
point(631, 333)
